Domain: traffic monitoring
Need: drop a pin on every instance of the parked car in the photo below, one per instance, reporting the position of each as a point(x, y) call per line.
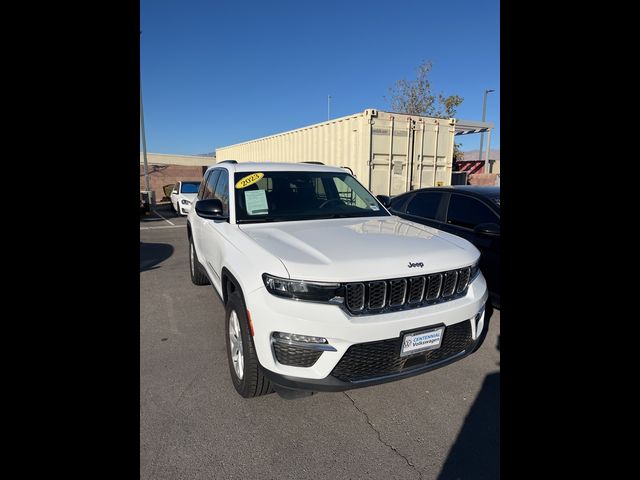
point(324, 289)
point(183, 194)
point(469, 211)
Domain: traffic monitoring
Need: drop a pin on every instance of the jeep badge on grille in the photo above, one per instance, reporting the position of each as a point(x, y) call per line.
point(417, 264)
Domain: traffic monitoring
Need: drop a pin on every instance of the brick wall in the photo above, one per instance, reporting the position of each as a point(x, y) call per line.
point(161, 175)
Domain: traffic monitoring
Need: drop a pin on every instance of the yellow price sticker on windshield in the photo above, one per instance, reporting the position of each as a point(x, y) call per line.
point(249, 180)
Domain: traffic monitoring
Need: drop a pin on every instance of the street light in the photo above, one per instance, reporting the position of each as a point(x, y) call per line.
point(144, 146)
point(484, 113)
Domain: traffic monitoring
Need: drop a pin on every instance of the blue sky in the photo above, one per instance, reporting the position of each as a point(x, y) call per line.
point(215, 73)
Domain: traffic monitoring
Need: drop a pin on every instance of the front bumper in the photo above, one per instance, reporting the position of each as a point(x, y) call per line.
point(184, 209)
point(270, 314)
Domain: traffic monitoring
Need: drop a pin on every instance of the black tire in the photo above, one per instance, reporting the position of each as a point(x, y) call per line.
point(253, 382)
point(198, 275)
point(178, 210)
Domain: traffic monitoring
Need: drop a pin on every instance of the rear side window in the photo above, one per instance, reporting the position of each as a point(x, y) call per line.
point(400, 204)
point(425, 204)
point(468, 212)
point(222, 191)
point(210, 185)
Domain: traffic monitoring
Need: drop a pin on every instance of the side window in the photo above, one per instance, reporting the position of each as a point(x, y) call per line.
point(176, 187)
point(425, 204)
point(210, 185)
point(400, 204)
point(202, 185)
point(468, 212)
point(222, 191)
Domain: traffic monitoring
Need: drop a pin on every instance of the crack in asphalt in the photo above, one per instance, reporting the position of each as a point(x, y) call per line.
point(394, 449)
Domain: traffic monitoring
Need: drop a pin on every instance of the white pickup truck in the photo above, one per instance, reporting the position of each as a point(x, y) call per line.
point(324, 289)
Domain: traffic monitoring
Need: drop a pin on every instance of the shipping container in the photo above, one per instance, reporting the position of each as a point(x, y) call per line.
point(390, 153)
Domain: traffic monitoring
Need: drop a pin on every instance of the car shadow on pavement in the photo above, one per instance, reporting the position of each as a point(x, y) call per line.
point(476, 452)
point(151, 254)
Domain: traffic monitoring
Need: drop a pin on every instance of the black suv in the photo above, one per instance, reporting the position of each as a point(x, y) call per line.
point(469, 211)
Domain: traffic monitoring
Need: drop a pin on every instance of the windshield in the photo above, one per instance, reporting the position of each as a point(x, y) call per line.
point(189, 187)
point(287, 196)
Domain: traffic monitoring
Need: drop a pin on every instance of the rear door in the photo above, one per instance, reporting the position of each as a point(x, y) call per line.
point(432, 153)
point(391, 144)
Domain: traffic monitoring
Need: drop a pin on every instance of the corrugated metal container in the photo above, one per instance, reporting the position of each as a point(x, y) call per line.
point(420, 149)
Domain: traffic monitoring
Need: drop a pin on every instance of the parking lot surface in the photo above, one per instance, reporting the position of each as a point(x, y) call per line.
point(443, 424)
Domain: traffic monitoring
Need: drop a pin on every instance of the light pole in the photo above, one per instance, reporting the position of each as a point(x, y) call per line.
point(328, 107)
point(484, 113)
point(144, 145)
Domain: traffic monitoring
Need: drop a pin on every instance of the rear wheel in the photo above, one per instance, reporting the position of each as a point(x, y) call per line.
point(246, 372)
point(198, 276)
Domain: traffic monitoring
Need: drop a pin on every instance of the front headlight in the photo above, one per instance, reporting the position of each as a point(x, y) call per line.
point(185, 202)
point(475, 270)
point(302, 290)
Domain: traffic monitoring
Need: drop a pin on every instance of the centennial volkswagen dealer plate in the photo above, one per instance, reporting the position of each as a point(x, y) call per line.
point(421, 341)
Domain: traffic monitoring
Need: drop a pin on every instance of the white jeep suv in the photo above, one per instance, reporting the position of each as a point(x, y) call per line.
point(324, 289)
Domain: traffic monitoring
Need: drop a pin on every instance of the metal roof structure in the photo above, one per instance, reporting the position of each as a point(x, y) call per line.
point(466, 127)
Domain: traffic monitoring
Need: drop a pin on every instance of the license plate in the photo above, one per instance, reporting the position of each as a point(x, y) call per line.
point(421, 341)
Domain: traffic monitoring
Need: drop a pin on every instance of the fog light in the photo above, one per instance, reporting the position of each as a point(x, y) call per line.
point(294, 337)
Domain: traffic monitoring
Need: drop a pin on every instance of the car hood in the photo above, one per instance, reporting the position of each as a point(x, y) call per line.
point(349, 249)
point(189, 196)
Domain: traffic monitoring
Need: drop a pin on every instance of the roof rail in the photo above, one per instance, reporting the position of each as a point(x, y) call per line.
point(227, 161)
point(314, 163)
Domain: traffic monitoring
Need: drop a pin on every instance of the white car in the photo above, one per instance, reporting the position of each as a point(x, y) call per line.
point(324, 289)
point(183, 195)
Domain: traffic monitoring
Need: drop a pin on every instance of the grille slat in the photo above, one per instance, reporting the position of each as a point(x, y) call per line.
point(375, 359)
point(463, 279)
point(416, 289)
point(449, 283)
point(401, 293)
point(435, 282)
point(377, 295)
point(355, 296)
point(397, 292)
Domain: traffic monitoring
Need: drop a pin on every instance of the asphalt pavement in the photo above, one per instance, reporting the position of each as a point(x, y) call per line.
point(444, 424)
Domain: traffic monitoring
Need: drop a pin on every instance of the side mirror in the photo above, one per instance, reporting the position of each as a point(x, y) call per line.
point(487, 230)
point(211, 209)
point(384, 200)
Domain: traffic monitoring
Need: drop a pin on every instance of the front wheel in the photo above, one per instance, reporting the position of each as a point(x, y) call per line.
point(246, 373)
